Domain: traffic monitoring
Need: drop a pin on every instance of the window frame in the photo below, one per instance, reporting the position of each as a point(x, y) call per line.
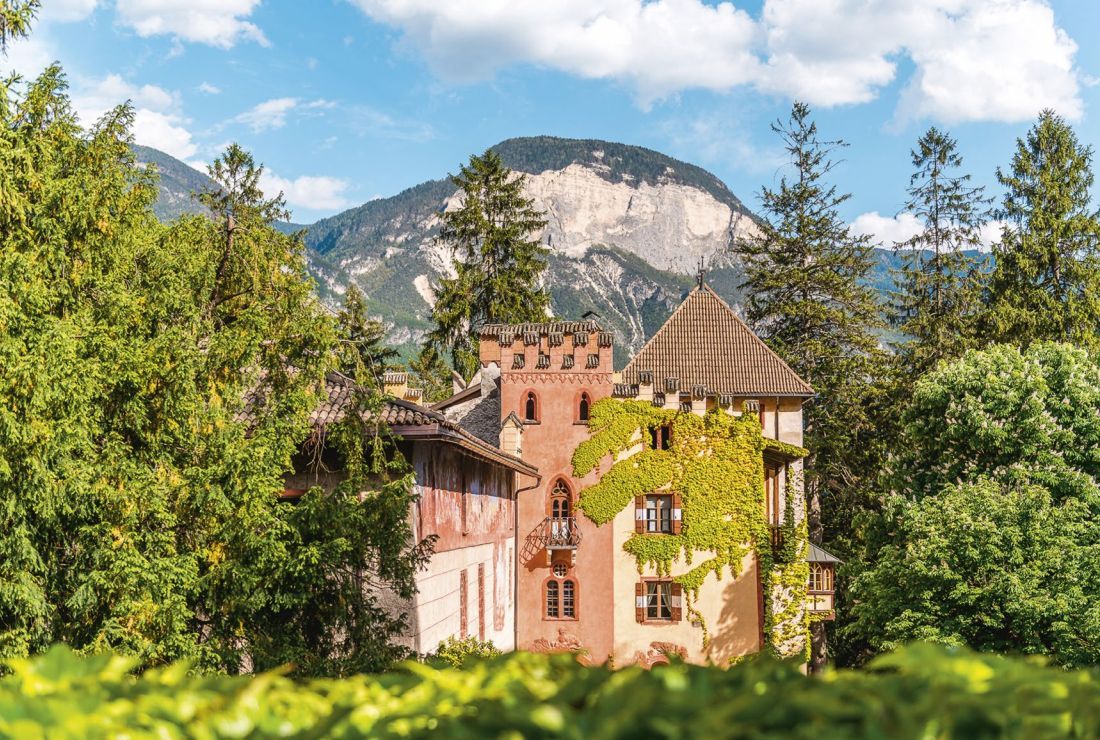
point(642, 511)
point(557, 586)
point(675, 601)
point(529, 396)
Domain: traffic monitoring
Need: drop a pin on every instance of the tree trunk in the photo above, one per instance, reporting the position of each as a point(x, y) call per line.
point(819, 647)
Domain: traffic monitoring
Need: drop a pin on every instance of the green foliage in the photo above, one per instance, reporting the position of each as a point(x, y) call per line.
point(139, 513)
point(456, 652)
point(918, 692)
point(714, 462)
point(988, 535)
point(1046, 283)
point(497, 264)
point(939, 285)
point(363, 352)
point(806, 277)
point(431, 374)
point(15, 20)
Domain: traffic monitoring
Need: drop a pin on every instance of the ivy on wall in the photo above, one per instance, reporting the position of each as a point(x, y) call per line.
point(715, 462)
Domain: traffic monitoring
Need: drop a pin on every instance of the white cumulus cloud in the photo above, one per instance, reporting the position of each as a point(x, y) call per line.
point(209, 89)
point(972, 59)
point(215, 22)
point(158, 121)
point(316, 192)
point(887, 231)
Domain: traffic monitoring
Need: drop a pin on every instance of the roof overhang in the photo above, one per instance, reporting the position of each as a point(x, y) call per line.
point(471, 444)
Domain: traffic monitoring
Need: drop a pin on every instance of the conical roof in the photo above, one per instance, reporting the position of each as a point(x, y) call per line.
point(705, 343)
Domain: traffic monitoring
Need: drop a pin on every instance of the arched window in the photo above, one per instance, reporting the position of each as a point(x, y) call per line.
point(582, 407)
point(561, 592)
point(531, 407)
point(560, 500)
point(568, 600)
point(553, 609)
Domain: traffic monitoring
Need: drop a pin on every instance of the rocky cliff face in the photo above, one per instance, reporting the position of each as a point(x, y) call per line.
point(627, 229)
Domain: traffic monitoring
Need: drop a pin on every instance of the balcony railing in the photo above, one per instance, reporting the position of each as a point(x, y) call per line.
point(552, 533)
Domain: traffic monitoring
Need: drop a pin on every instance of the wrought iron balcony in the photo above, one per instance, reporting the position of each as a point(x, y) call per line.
point(552, 533)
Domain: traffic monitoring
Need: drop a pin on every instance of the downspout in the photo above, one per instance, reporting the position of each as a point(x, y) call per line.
point(515, 558)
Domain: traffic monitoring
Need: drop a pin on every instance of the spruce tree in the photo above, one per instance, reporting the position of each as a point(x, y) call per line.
point(432, 374)
point(15, 19)
point(364, 354)
point(1046, 280)
point(498, 261)
point(808, 298)
point(938, 294)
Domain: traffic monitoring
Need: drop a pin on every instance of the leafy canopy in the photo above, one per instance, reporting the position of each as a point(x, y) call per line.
point(138, 511)
point(988, 534)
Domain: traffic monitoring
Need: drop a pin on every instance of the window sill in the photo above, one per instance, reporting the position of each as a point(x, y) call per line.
point(530, 422)
point(559, 619)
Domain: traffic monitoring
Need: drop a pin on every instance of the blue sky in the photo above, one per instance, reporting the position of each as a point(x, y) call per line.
point(346, 100)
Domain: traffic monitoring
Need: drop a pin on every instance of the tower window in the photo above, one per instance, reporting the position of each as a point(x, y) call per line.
point(531, 407)
point(582, 407)
point(553, 605)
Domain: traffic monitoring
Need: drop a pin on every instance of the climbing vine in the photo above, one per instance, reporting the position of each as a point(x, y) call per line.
point(715, 462)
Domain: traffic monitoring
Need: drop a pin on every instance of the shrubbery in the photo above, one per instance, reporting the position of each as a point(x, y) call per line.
point(919, 691)
point(455, 652)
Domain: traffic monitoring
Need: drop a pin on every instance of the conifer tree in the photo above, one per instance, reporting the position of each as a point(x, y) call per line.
point(498, 261)
point(432, 374)
point(15, 19)
point(808, 299)
point(1046, 279)
point(364, 354)
point(939, 286)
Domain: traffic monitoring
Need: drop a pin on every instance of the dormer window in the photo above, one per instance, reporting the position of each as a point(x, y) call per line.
point(583, 407)
point(530, 407)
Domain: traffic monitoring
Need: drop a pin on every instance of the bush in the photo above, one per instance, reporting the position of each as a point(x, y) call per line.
point(919, 691)
point(454, 652)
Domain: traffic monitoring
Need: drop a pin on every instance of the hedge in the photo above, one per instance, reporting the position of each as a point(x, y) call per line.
point(920, 691)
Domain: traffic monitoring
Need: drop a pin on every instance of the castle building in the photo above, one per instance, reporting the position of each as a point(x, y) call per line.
point(670, 514)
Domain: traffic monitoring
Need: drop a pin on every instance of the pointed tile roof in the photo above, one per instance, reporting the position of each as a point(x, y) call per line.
point(705, 343)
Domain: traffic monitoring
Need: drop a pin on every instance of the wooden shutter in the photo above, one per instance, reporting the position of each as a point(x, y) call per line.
point(677, 591)
point(677, 513)
point(639, 514)
point(639, 601)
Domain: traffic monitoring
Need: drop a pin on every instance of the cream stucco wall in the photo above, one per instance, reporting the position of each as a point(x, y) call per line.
point(730, 608)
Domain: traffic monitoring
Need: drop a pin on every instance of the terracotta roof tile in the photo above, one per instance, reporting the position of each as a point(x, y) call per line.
point(704, 342)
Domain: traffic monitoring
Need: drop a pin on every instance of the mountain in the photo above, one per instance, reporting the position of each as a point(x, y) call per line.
point(178, 183)
point(627, 228)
